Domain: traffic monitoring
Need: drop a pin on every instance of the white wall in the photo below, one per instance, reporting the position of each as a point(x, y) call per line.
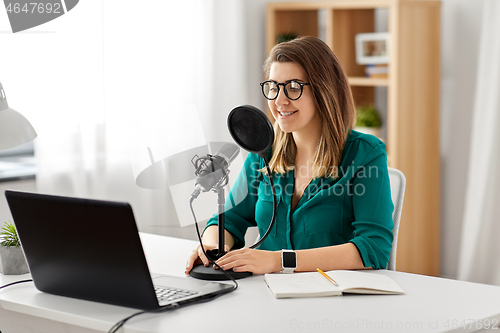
point(460, 31)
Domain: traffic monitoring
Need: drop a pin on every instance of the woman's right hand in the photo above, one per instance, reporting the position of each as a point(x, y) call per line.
point(210, 240)
point(198, 257)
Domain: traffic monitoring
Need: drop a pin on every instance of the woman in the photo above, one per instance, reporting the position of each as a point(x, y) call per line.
point(334, 201)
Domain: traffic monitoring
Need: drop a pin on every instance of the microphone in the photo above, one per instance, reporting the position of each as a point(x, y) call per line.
point(211, 174)
point(251, 130)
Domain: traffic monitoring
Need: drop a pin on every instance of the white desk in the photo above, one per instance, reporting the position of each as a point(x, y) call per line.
point(430, 305)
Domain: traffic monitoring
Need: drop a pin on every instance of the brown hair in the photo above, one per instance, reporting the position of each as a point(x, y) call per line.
point(332, 98)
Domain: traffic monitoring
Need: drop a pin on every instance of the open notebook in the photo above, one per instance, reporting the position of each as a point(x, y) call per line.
point(313, 284)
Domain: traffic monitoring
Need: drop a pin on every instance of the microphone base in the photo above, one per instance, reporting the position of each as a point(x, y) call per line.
point(209, 273)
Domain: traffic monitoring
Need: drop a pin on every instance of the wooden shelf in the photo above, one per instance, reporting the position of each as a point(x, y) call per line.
point(368, 81)
point(412, 115)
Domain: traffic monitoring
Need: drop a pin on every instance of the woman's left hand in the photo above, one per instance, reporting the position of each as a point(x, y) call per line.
point(251, 260)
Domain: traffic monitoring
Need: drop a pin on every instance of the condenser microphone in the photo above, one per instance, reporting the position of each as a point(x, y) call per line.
point(211, 173)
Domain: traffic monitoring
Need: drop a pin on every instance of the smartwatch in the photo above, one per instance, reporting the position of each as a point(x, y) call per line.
point(288, 261)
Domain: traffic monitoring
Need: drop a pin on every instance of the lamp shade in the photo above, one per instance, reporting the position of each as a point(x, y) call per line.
point(15, 129)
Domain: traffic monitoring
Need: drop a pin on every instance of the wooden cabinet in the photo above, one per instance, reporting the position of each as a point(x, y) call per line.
point(411, 90)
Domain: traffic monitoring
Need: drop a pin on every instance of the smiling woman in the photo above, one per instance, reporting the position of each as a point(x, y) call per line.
point(331, 214)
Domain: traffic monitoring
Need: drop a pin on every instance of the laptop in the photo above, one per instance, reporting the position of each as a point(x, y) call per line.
point(91, 250)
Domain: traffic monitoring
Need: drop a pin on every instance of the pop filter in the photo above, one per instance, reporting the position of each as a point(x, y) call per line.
point(251, 129)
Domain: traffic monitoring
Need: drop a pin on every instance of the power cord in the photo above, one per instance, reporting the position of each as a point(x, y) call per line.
point(13, 283)
point(122, 322)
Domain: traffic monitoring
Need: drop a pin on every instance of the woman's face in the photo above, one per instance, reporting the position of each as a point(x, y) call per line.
point(297, 116)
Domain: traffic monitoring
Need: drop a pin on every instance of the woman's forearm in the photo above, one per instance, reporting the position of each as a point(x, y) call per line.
point(211, 236)
point(344, 256)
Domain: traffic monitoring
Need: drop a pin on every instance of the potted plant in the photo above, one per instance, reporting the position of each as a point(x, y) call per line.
point(12, 261)
point(286, 37)
point(368, 120)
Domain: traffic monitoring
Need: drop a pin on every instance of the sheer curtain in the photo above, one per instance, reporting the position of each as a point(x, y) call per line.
point(479, 259)
point(111, 78)
point(173, 71)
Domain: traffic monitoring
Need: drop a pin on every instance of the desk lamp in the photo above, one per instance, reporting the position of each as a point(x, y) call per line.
point(15, 129)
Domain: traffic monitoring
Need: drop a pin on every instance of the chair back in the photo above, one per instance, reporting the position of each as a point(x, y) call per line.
point(398, 185)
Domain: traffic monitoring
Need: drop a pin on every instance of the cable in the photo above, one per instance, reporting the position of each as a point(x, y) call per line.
point(165, 308)
point(13, 283)
point(122, 322)
point(275, 205)
point(203, 248)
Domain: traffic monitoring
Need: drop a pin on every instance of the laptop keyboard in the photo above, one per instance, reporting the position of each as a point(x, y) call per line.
point(167, 295)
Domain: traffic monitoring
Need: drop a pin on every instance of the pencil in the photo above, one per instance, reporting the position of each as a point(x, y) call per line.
point(329, 278)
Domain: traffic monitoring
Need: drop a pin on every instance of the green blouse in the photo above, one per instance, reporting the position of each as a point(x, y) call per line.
point(356, 207)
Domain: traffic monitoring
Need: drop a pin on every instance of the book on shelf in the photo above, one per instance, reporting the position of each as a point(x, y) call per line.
point(377, 71)
point(313, 284)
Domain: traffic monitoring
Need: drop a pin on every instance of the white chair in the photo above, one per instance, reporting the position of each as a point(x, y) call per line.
point(398, 185)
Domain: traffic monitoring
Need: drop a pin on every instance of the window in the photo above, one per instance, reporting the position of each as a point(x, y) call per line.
point(18, 163)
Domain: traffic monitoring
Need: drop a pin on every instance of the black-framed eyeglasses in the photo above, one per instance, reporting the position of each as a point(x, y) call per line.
point(293, 89)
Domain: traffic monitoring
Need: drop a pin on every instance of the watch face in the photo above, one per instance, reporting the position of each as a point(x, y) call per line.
point(289, 259)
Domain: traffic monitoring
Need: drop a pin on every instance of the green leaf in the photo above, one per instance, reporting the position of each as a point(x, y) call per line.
point(367, 116)
point(286, 37)
point(9, 235)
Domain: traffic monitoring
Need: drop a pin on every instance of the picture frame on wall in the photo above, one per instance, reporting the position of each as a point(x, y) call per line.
point(373, 48)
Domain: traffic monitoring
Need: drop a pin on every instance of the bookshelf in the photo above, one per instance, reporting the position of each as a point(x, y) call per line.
point(411, 91)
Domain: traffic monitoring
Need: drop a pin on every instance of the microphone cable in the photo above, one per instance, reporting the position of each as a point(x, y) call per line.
point(203, 248)
point(275, 206)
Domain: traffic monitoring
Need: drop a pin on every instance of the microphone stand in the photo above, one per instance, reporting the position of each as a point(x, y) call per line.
point(220, 252)
point(210, 273)
point(221, 219)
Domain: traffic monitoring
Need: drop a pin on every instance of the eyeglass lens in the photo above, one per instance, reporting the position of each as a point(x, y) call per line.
point(293, 90)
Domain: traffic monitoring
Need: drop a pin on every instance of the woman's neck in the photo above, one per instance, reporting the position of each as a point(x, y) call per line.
point(306, 144)
point(306, 139)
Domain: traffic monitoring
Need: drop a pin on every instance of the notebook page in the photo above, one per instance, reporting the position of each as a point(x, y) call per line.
point(309, 284)
point(365, 282)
